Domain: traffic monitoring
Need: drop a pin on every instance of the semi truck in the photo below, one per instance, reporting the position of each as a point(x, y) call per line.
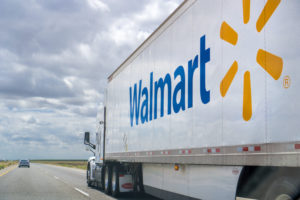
point(207, 107)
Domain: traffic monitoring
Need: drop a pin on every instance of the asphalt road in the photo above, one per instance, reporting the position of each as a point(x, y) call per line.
point(45, 182)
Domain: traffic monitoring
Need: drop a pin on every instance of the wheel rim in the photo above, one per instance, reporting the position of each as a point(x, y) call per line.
point(284, 197)
point(114, 180)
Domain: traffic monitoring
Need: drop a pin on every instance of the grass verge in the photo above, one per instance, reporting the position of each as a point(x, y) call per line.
point(4, 164)
point(79, 164)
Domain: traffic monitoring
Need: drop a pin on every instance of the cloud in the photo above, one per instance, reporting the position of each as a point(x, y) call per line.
point(136, 27)
point(30, 119)
point(55, 59)
point(98, 5)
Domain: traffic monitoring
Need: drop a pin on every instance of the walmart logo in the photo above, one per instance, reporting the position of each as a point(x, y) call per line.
point(271, 63)
point(165, 94)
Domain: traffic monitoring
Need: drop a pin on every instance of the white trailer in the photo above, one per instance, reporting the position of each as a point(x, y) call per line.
point(207, 107)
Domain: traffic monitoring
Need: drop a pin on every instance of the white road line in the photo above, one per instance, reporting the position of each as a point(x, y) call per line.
point(241, 198)
point(82, 192)
point(56, 177)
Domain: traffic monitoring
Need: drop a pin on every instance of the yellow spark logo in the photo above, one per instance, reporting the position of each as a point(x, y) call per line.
point(271, 63)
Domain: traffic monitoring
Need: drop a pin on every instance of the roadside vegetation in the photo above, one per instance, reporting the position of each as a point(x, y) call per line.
point(4, 164)
point(79, 164)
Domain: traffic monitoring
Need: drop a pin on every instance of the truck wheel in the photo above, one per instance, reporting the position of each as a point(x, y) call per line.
point(138, 181)
point(283, 188)
point(88, 176)
point(107, 179)
point(102, 181)
point(115, 181)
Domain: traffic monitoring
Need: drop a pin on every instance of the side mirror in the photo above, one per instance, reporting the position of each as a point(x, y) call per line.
point(87, 138)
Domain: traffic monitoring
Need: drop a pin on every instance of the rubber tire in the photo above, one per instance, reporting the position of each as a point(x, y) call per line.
point(107, 179)
point(138, 186)
point(102, 183)
point(88, 176)
point(283, 185)
point(115, 189)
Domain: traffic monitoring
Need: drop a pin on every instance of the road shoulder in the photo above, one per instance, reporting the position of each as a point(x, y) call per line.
point(7, 170)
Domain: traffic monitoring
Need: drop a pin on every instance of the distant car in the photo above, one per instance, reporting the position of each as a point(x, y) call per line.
point(24, 163)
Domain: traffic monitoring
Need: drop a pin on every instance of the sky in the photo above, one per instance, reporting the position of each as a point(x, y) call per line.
point(55, 57)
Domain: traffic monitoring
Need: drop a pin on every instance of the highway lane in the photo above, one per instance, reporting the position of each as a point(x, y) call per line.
point(34, 184)
point(47, 182)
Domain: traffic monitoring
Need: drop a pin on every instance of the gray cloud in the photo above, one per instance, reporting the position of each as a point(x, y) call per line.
point(55, 57)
